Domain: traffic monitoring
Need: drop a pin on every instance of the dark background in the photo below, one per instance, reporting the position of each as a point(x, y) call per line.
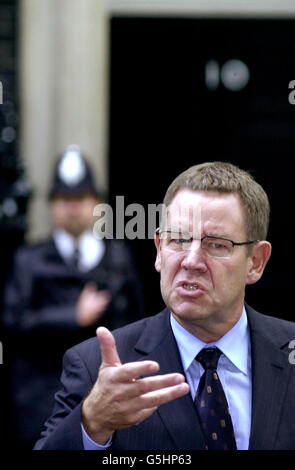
point(163, 119)
point(14, 190)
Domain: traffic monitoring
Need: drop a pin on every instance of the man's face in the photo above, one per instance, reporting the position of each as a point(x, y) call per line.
point(218, 299)
point(73, 213)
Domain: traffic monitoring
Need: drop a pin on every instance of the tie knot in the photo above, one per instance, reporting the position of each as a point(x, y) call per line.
point(209, 357)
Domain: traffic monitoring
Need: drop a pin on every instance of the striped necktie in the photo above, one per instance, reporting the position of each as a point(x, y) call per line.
point(212, 406)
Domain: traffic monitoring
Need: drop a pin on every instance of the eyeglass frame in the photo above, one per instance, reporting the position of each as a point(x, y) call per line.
point(212, 237)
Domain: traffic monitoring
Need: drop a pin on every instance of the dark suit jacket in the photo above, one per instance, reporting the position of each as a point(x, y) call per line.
point(40, 317)
point(174, 426)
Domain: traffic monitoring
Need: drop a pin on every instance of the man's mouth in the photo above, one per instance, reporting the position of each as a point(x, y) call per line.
point(190, 286)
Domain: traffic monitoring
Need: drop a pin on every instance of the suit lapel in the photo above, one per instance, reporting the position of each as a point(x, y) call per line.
point(270, 375)
point(178, 416)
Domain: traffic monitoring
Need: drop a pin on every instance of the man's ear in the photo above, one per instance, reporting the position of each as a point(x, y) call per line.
point(158, 247)
point(257, 261)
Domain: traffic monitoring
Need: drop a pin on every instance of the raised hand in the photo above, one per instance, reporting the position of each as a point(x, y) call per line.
point(118, 398)
point(91, 305)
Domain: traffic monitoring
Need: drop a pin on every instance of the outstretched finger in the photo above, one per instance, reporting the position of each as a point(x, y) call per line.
point(109, 354)
point(149, 384)
point(164, 395)
point(131, 370)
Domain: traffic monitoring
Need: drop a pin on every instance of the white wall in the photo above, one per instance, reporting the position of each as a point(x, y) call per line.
point(63, 49)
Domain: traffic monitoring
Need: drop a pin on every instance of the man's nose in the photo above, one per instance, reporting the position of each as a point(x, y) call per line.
point(194, 257)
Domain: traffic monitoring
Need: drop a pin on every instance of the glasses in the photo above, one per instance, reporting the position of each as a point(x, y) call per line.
point(215, 247)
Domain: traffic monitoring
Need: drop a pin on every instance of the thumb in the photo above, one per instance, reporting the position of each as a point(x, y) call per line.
point(108, 348)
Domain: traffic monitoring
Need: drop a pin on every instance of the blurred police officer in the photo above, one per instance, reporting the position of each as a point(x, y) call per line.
point(60, 290)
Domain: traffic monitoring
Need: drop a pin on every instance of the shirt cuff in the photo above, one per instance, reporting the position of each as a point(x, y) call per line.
point(89, 444)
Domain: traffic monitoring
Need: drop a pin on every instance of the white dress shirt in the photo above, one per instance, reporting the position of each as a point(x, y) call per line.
point(234, 370)
point(91, 248)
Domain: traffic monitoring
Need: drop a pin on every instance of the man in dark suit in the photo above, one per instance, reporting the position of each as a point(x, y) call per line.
point(208, 372)
point(59, 291)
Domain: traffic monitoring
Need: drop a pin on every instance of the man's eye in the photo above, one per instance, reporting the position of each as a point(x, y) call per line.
point(214, 244)
point(217, 246)
point(180, 240)
point(176, 240)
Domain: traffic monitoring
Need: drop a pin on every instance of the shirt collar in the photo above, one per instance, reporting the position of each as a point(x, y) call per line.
point(91, 248)
point(234, 344)
point(64, 242)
